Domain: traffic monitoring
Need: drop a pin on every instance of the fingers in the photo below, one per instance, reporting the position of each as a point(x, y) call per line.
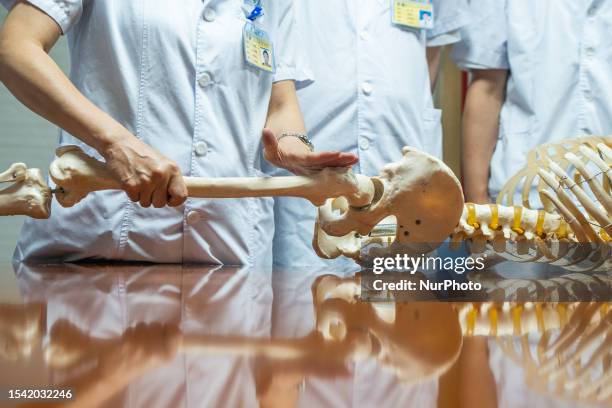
point(132, 189)
point(317, 161)
point(177, 190)
point(160, 195)
point(330, 159)
point(148, 187)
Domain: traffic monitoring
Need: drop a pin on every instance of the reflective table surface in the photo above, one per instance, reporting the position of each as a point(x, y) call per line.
point(192, 336)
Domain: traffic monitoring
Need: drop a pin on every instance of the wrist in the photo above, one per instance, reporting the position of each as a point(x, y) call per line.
point(302, 137)
point(478, 197)
point(106, 141)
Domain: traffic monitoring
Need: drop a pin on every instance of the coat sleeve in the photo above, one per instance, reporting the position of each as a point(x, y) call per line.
point(291, 59)
point(450, 16)
point(66, 13)
point(484, 42)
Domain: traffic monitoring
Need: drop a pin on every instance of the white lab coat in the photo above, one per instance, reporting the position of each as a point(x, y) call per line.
point(559, 54)
point(371, 97)
point(176, 77)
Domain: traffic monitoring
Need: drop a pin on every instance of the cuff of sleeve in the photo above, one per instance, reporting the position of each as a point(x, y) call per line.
point(480, 60)
point(301, 77)
point(444, 39)
point(57, 10)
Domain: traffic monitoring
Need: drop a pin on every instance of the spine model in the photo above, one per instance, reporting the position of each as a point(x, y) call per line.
point(574, 225)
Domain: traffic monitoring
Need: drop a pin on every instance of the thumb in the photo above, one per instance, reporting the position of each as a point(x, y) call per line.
point(269, 140)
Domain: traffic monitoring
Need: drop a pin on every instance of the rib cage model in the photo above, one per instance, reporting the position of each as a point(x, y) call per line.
point(573, 228)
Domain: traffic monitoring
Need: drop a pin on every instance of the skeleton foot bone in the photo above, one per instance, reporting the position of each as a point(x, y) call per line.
point(28, 195)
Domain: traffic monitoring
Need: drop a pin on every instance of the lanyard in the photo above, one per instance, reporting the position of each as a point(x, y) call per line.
point(256, 12)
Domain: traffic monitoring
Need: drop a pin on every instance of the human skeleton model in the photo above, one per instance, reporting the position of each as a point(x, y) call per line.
point(415, 340)
point(412, 206)
point(571, 231)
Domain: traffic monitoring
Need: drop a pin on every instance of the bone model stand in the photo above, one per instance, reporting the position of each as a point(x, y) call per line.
point(571, 233)
point(27, 194)
point(419, 190)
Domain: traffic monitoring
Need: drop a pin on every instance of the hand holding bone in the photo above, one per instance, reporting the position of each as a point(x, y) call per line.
point(144, 174)
point(77, 174)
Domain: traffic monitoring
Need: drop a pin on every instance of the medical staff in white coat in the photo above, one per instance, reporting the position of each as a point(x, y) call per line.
point(371, 95)
point(540, 73)
point(159, 90)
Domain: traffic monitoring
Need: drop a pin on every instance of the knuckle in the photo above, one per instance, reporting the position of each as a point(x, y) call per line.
point(131, 187)
point(157, 171)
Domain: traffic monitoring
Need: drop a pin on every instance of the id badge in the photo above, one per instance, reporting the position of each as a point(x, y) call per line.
point(413, 13)
point(258, 48)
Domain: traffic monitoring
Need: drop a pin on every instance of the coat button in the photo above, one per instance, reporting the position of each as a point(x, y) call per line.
point(367, 88)
point(205, 80)
point(193, 217)
point(209, 15)
point(364, 144)
point(201, 149)
point(590, 52)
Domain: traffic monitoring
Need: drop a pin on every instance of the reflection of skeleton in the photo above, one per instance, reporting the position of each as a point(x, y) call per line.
point(574, 348)
point(573, 352)
point(574, 234)
point(416, 340)
point(571, 287)
point(28, 195)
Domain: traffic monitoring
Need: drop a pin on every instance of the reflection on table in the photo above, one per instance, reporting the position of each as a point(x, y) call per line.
point(167, 335)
